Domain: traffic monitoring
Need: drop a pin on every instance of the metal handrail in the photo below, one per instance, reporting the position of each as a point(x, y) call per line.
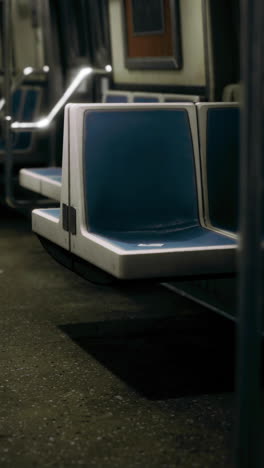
point(46, 121)
point(249, 421)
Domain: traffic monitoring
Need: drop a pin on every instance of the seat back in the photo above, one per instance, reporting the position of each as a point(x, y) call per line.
point(16, 103)
point(25, 105)
point(16, 109)
point(29, 111)
point(113, 96)
point(146, 97)
point(139, 167)
point(219, 140)
point(117, 97)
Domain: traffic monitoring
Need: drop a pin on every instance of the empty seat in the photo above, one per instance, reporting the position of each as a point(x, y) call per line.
point(16, 109)
point(113, 96)
point(146, 97)
point(30, 111)
point(45, 180)
point(135, 194)
point(25, 107)
point(219, 140)
point(117, 97)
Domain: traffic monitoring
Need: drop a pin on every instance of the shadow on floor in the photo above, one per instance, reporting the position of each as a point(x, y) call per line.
point(163, 358)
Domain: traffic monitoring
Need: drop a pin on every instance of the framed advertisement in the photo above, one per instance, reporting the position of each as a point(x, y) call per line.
point(152, 34)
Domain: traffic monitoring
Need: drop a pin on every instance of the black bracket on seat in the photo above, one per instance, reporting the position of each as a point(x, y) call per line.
point(69, 219)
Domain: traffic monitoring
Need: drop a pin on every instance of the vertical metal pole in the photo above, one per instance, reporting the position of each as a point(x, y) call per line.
point(7, 55)
point(7, 94)
point(248, 442)
point(55, 78)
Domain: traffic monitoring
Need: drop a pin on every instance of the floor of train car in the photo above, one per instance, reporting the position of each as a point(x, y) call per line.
point(103, 376)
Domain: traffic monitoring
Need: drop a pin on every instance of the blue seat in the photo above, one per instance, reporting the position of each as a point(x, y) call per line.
point(16, 108)
point(116, 97)
point(28, 176)
point(25, 104)
point(219, 138)
point(136, 193)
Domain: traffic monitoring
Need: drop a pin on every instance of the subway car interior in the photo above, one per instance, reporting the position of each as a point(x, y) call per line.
point(131, 233)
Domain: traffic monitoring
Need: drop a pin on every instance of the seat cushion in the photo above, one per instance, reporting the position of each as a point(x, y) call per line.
point(193, 237)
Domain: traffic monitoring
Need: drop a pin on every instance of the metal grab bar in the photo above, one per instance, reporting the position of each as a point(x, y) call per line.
point(46, 121)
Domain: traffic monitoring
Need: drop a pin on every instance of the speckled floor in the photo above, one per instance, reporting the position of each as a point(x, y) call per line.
point(103, 376)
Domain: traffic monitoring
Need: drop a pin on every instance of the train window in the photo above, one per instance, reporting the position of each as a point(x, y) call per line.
point(225, 16)
point(81, 43)
point(148, 17)
point(99, 32)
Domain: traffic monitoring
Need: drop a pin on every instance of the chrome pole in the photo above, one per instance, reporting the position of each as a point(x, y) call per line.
point(8, 164)
point(249, 408)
